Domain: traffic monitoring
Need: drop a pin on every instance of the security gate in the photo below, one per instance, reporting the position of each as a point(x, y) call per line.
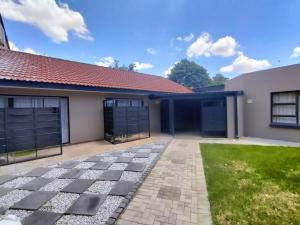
point(213, 117)
point(125, 120)
point(29, 133)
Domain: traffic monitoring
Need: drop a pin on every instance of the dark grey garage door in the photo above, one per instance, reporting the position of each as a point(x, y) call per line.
point(213, 117)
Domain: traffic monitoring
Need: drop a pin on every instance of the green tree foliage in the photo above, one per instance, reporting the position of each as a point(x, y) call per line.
point(218, 79)
point(190, 74)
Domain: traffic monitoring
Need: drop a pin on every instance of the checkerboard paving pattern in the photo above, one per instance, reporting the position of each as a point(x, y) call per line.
point(90, 191)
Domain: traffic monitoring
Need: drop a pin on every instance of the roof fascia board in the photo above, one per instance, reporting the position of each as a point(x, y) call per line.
point(67, 87)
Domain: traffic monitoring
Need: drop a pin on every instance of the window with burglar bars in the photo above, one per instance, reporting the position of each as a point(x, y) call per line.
point(285, 108)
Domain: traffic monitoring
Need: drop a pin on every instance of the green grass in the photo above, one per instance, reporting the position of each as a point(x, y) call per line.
point(249, 184)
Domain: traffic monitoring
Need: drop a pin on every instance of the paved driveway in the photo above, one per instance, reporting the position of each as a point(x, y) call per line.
point(174, 192)
point(88, 191)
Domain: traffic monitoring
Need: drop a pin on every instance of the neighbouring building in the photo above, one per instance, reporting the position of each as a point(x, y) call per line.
point(3, 36)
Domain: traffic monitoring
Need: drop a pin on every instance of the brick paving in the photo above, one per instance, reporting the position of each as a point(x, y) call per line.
point(175, 192)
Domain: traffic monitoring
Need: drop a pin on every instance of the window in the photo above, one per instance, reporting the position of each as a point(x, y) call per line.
point(285, 108)
point(41, 102)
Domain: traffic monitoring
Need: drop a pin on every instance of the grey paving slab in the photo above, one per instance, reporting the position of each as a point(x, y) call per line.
point(41, 218)
point(69, 164)
point(34, 201)
point(135, 167)
point(37, 172)
point(2, 210)
point(115, 154)
point(72, 174)
point(142, 155)
point(4, 191)
point(122, 188)
point(94, 159)
point(6, 178)
point(123, 159)
point(157, 150)
point(157, 146)
point(147, 146)
point(111, 175)
point(87, 204)
point(36, 184)
point(78, 186)
point(101, 165)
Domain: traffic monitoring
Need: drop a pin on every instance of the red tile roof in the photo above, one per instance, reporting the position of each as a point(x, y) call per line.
point(28, 67)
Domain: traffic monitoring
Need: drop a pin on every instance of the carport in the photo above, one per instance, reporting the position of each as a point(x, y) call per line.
point(213, 114)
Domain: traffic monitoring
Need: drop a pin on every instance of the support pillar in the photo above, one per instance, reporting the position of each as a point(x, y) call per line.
point(171, 117)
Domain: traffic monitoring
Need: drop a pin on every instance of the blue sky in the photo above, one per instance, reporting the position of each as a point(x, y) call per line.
point(231, 36)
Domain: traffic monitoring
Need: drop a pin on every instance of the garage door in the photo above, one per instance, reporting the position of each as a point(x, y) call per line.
point(213, 118)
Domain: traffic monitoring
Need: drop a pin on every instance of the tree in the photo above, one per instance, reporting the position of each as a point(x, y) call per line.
point(130, 67)
point(189, 74)
point(218, 79)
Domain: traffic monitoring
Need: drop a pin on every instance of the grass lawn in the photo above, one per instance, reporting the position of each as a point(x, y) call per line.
point(249, 184)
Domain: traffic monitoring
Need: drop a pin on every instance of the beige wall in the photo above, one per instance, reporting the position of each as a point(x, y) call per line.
point(257, 89)
point(86, 111)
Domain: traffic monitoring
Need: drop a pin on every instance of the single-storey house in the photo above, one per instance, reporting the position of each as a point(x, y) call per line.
point(96, 102)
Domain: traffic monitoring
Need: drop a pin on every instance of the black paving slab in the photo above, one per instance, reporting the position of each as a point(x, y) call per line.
point(36, 184)
point(111, 175)
point(94, 158)
point(6, 178)
point(37, 172)
point(101, 165)
point(142, 155)
point(78, 186)
point(135, 167)
point(69, 164)
point(4, 191)
point(123, 159)
point(34, 201)
point(86, 204)
point(41, 218)
point(72, 174)
point(122, 188)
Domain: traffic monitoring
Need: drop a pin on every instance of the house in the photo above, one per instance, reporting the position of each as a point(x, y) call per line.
point(102, 103)
point(270, 104)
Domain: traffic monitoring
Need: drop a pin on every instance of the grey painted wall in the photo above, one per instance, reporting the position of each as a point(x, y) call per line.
point(86, 111)
point(230, 117)
point(257, 89)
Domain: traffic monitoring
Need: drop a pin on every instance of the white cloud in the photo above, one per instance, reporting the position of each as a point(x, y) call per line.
point(224, 46)
point(106, 61)
point(187, 38)
point(151, 51)
point(168, 71)
point(244, 64)
point(31, 51)
point(27, 50)
point(13, 47)
point(54, 20)
point(296, 52)
point(142, 66)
